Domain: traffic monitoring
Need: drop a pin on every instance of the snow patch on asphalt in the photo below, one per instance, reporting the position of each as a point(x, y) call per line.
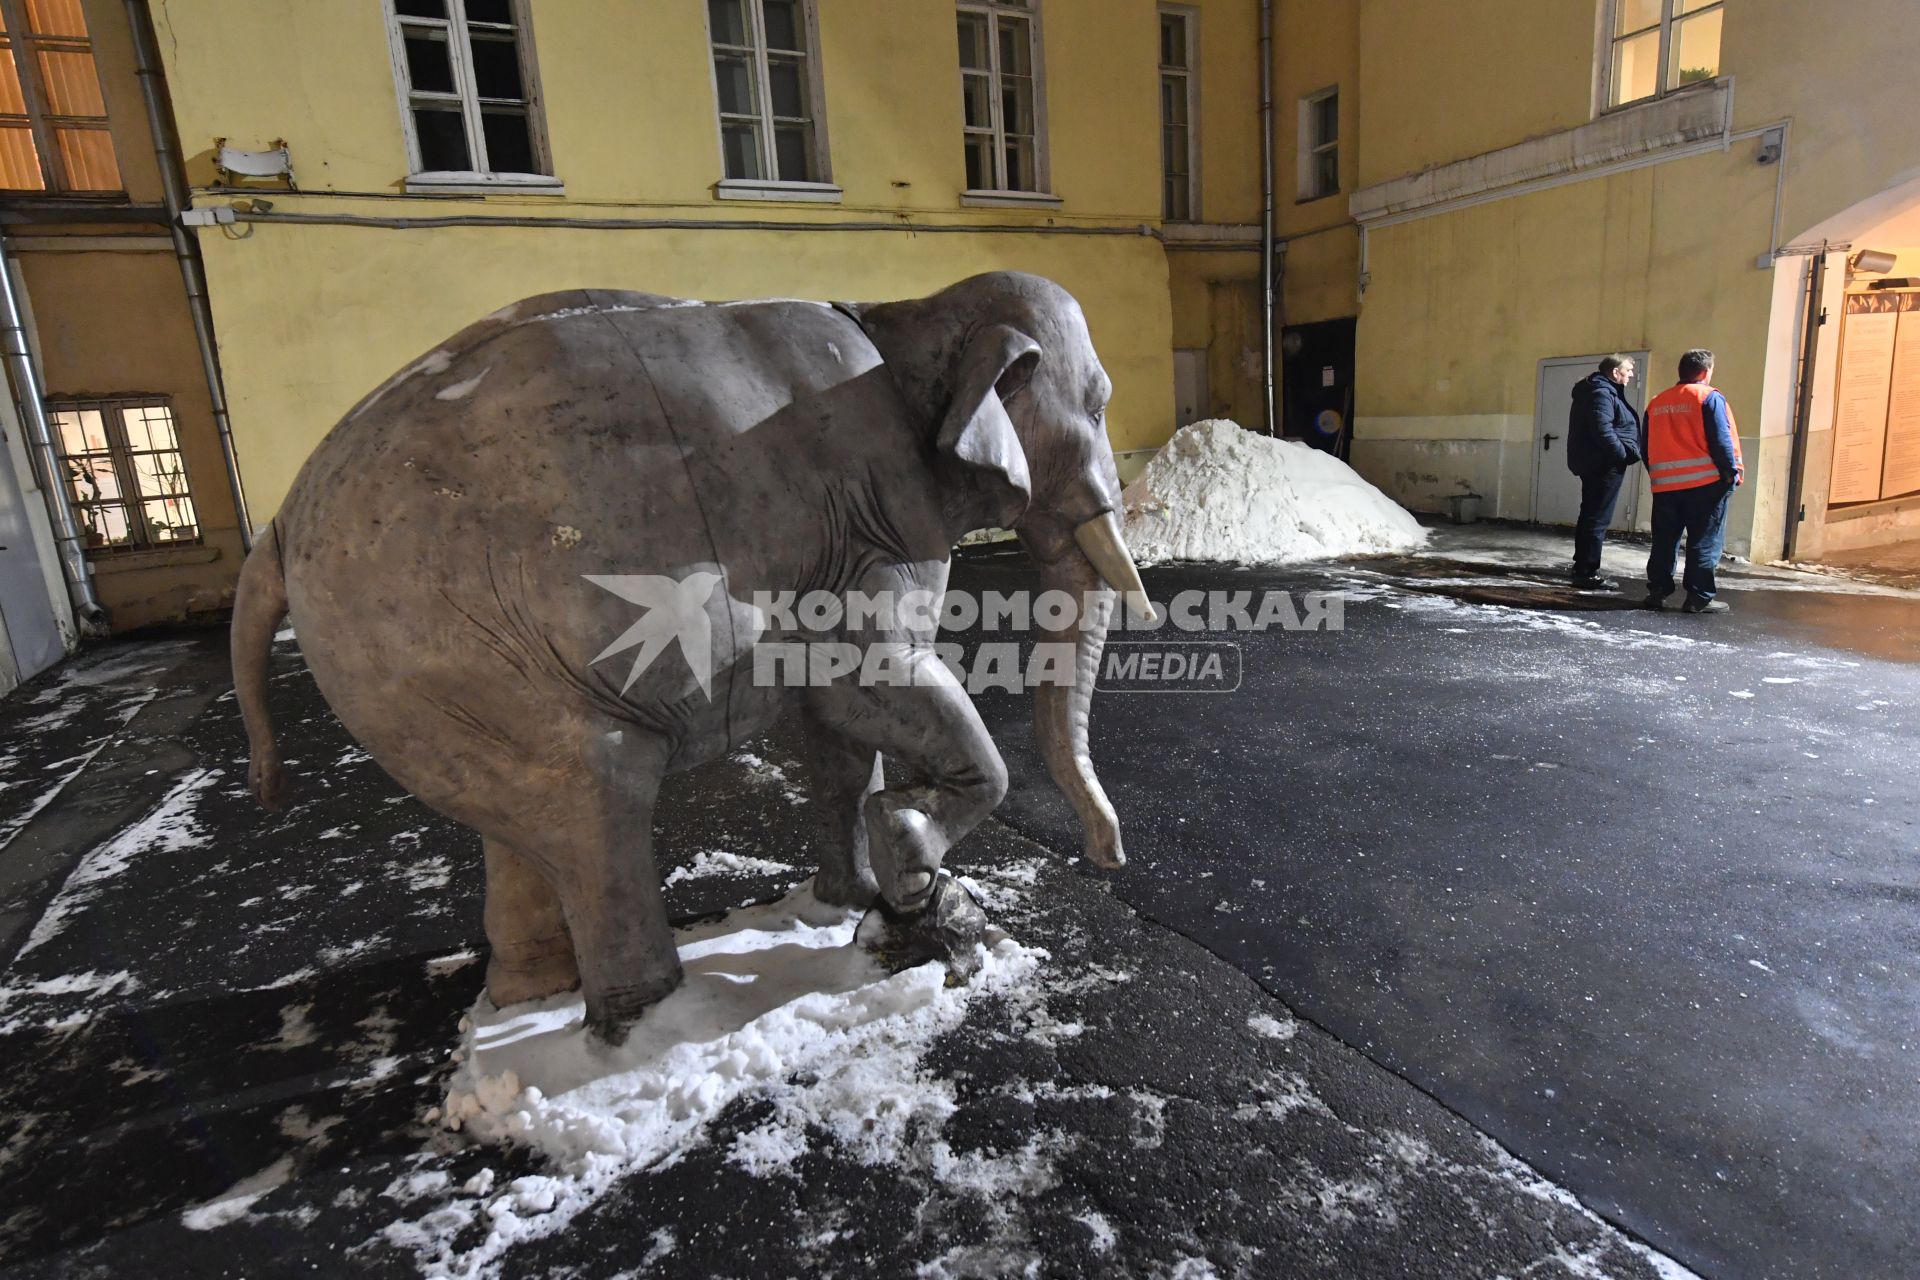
point(170, 827)
point(718, 862)
point(779, 1004)
point(1220, 493)
point(236, 1201)
point(1509, 617)
point(764, 770)
point(1272, 1028)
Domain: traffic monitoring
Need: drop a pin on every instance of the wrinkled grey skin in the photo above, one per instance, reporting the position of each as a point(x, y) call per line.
point(433, 555)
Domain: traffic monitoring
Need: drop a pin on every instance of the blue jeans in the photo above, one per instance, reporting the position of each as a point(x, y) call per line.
point(1701, 514)
point(1599, 493)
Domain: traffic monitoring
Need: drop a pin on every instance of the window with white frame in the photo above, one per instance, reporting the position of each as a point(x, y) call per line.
point(1178, 94)
point(124, 472)
point(764, 75)
point(1320, 144)
point(466, 79)
point(1001, 89)
point(1657, 46)
point(53, 118)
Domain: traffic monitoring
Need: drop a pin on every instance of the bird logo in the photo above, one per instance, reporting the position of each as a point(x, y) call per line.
point(675, 611)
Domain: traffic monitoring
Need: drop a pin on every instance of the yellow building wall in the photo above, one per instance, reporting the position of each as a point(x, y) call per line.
point(113, 321)
point(1316, 46)
point(1216, 294)
point(323, 328)
point(311, 317)
point(1462, 305)
point(1444, 81)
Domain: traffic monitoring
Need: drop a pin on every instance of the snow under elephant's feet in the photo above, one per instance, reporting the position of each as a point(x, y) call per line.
point(949, 929)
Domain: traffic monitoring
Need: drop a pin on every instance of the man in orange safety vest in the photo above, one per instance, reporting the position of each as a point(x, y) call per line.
point(1694, 465)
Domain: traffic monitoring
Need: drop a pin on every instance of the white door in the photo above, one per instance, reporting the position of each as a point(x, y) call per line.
point(1189, 386)
point(30, 639)
point(1556, 491)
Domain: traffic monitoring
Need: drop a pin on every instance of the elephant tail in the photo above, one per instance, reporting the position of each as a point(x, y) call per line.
point(258, 605)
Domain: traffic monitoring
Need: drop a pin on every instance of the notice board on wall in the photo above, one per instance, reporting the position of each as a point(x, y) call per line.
point(1867, 340)
point(1900, 472)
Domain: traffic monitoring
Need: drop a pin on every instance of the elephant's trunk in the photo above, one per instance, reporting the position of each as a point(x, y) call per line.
point(1060, 710)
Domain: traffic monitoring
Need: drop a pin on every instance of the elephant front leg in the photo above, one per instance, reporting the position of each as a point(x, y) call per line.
point(923, 719)
point(844, 773)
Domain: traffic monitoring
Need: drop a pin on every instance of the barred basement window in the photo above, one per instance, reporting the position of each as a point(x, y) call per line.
point(124, 472)
point(764, 78)
point(466, 78)
point(1000, 86)
point(53, 118)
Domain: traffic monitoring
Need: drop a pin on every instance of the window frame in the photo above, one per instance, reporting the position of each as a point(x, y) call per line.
point(466, 95)
point(1002, 194)
point(1309, 151)
point(1189, 17)
point(121, 454)
point(42, 120)
point(1663, 71)
point(821, 187)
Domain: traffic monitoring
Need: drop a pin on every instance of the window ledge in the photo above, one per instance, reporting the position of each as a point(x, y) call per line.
point(1650, 131)
point(1009, 199)
point(1694, 86)
point(461, 184)
point(755, 189)
point(107, 562)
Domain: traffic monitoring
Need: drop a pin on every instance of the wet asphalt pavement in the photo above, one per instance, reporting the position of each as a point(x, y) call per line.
point(1633, 894)
point(224, 1034)
point(1636, 893)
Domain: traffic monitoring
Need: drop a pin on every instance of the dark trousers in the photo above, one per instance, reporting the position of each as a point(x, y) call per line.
point(1701, 514)
point(1598, 494)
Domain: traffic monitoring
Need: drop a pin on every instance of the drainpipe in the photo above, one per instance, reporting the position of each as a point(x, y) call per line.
point(185, 248)
point(1266, 211)
point(1803, 401)
point(33, 416)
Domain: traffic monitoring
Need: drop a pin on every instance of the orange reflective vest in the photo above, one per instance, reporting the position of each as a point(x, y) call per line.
point(1678, 456)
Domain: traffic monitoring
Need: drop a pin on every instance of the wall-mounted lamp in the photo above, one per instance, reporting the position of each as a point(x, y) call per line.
point(232, 162)
point(1769, 145)
point(1871, 262)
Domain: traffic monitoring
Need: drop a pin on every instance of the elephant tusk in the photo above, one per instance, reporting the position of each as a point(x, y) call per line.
point(1104, 546)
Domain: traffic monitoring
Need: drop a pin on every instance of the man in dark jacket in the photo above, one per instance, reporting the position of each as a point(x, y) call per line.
point(1603, 440)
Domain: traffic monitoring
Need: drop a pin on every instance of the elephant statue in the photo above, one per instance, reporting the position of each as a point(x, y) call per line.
point(460, 550)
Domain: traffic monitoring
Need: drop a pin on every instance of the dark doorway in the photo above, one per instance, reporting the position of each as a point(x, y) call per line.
point(1316, 376)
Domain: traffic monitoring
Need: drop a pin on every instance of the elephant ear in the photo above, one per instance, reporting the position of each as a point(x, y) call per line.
point(977, 435)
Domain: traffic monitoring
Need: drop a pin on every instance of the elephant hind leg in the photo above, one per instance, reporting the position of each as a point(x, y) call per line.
point(526, 931)
point(594, 843)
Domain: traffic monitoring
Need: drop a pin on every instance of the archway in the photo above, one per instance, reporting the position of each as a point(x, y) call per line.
point(1853, 492)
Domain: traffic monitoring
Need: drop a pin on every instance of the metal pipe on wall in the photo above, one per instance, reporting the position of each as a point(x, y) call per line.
point(1266, 210)
point(186, 249)
point(18, 355)
point(1803, 400)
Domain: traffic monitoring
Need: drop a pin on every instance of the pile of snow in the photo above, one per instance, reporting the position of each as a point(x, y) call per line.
point(779, 1002)
point(1219, 492)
